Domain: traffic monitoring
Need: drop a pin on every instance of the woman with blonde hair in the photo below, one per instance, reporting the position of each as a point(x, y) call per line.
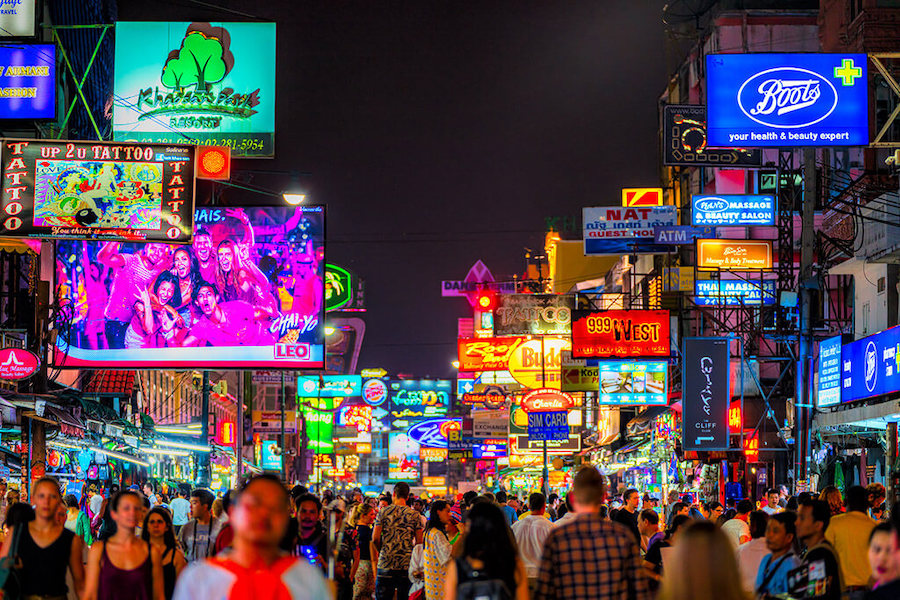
point(702, 567)
point(833, 497)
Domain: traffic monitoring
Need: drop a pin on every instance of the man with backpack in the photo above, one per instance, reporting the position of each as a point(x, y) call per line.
point(590, 558)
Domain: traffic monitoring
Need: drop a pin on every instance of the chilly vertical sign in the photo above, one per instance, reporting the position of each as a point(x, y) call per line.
point(705, 393)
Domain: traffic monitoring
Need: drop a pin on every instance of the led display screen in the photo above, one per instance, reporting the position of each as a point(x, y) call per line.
point(210, 84)
point(419, 398)
point(246, 294)
point(632, 382)
point(97, 190)
point(403, 457)
point(781, 100)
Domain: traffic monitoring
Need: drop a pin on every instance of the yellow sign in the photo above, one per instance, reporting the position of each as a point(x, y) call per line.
point(528, 368)
point(642, 197)
point(440, 482)
point(376, 373)
point(678, 279)
point(740, 255)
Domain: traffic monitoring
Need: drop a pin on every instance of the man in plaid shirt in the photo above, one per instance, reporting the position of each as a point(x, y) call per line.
point(589, 558)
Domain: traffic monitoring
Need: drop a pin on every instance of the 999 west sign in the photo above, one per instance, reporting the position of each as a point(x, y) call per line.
point(757, 100)
point(620, 333)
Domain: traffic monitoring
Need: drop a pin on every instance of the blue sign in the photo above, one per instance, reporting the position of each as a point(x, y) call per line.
point(464, 386)
point(869, 367)
point(430, 433)
point(633, 382)
point(546, 426)
point(329, 386)
point(419, 398)
point(756, 100)
point(489, 449)
point(733, 209)
point(268, 460)
point(28, 81)
point(733, 292)
point(828, 392)
point(680, 234)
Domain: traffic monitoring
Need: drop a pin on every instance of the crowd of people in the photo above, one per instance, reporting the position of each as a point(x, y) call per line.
point(264, 541)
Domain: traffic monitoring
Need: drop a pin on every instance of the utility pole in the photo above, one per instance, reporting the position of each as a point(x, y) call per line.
point(803, 384)
point(203, 457)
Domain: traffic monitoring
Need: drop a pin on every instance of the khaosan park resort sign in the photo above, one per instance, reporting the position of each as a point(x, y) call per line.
point(211, 84)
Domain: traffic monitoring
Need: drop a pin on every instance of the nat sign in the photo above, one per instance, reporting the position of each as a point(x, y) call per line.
point(782, 100)
point(97, 190)
point(620, 333)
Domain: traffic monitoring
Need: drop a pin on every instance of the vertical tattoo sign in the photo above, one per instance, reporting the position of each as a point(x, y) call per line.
point(705, 393)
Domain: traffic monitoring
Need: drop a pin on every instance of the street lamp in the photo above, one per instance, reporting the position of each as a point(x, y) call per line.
point(294, 194)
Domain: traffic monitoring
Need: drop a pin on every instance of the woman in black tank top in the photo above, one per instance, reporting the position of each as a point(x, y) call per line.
point(46, 548)
point(160, 533)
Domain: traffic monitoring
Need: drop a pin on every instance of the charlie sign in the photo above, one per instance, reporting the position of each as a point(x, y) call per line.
point(756, 100)
point(211, 84)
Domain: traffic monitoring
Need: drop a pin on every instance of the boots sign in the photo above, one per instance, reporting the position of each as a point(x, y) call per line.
point(16, 364)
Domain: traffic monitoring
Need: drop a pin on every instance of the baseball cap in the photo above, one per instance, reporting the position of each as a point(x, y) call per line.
point(338, 505)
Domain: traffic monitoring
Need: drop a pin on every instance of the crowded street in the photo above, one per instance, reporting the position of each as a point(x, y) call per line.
point(500, 300)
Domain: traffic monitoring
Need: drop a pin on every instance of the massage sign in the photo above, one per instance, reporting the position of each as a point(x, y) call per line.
point(97, 191)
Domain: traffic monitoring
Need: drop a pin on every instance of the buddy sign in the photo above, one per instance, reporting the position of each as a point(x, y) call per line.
point(212, 84)
point(816, 99)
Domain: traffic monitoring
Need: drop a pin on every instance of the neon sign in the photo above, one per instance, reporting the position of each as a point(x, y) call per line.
point(625, 333)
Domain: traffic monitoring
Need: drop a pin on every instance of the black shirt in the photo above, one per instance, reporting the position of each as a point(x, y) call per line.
point(43, 571)
point(364, 536)
point(818, 576)
point(629, 519)
point(654, 557)
point(888, 591)
point(316, 545)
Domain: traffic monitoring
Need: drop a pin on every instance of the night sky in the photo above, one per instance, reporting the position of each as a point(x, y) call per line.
point(439, 133)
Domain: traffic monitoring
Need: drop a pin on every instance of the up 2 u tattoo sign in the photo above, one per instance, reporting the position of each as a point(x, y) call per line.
point(97, 191)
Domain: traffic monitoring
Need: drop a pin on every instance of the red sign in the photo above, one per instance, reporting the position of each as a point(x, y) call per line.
point(751, 449)
point(488, 354)
point(227, 433)
point(735, 418)
point(547, 399)
point(16, 363)
point(621, 333)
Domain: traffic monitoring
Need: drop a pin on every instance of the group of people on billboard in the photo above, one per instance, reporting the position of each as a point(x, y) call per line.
point(242, 282)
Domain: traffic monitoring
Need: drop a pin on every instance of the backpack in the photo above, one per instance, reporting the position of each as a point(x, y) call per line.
point(476, 585)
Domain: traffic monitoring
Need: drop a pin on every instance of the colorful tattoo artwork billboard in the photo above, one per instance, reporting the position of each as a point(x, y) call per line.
point(247, 293)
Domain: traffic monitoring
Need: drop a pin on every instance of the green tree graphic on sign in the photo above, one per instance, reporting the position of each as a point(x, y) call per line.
point(203, 59)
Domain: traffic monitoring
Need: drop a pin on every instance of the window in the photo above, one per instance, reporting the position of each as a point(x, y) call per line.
point(866, 309)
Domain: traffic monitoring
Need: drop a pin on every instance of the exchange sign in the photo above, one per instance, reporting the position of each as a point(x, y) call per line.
point(97, 190)
point(419, 398)
point(625, 333)
point(533, 314)
point(735, 255)
point(781, 100)
point(27, 80)
point(621, 230)
point(685, 144)
point(631, 382)
point(732, 209)
point(210, 84)
point(487, 354)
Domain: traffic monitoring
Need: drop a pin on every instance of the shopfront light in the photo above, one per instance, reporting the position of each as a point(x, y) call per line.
point(166, 452)
point(121, 456)
point(183, 446)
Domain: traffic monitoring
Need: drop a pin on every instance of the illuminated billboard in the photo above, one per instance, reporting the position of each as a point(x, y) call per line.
point(420, 398)
point(783, 100)
point(869, 366)
point(632, 382)
point(642, 197)
point(621, 230)
point(210, 84)
point(732, 209)
point(533, 314)
point(319, 427)
point(433, 433)
point(733, 292)
point(246, 294)
point(487, 354)
point(828, 390)
point(27, 80)
point(329, 386)
point(357, 415)
point(684, 141)
point(97, 190)
point(625, 333)
point(735, 255)
point(403, 457)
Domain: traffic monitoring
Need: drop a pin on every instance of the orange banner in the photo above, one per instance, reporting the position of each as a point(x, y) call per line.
point(737, 255)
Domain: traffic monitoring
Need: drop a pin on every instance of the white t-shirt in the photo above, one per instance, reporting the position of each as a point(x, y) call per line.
point(735, 529)
point(181, 511)
point(749, 557)
point(531, 533)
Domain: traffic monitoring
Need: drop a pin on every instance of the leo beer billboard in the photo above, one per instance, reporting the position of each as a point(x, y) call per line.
point(705, 397)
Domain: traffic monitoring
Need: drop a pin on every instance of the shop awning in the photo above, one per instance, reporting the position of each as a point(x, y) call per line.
point(633, 447)
point(63, 417)
point(642, 422)
point(20, 246)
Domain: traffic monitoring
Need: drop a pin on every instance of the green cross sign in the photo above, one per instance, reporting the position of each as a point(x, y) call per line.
point(847, 72)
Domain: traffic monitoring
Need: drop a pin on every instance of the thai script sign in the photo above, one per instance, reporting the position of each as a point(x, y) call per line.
point(620, 230)
point(329, 386)
point(419, 398)
point(781, 100)
point(733, 209)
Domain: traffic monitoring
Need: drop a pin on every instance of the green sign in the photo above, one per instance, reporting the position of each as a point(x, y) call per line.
point(211, 84)
point(338, 287)
point(319, 430)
